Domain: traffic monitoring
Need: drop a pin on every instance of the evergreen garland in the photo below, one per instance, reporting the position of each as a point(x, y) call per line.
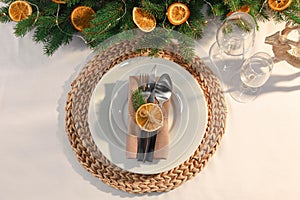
point(52, 25)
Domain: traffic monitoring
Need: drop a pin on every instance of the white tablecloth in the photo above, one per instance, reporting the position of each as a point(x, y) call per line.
point(258, 159)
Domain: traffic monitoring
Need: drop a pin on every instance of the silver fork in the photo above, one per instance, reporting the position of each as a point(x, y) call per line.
point(144, 78)
point(142, 140)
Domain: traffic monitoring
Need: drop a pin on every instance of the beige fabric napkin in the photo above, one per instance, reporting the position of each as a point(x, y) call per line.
point(162, 139)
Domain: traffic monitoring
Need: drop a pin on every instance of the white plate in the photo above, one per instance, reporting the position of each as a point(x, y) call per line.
point(188, 114)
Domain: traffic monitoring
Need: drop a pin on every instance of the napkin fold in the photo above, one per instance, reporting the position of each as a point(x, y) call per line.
point(162, 140)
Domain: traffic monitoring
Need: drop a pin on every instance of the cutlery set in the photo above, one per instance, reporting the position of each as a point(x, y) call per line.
point(161, 90)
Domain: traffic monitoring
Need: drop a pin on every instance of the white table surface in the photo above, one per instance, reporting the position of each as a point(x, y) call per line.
point(258, 159)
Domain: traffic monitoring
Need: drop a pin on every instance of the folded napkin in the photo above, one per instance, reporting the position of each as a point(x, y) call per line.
point(133, 132)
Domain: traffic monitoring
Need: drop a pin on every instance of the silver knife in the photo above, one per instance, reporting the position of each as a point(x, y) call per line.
point(151, 85)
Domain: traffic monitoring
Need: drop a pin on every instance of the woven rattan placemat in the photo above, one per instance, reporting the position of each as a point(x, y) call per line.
point(89, 155)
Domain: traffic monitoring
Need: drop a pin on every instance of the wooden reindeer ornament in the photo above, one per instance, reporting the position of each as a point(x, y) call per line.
point(283, 48)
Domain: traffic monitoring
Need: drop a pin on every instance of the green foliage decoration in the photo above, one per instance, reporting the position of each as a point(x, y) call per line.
point(52, 25)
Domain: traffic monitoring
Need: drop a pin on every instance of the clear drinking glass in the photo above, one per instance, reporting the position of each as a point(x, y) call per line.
point(234, 38)
point(255, 72)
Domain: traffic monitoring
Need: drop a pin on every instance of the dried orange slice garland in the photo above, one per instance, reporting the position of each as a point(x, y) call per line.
point(178, 13)
point(279, 5)
point(149, 117)
point(244, 8)
point(19, 10)
point(144, 21)
point(81, 17)
point(60, 1)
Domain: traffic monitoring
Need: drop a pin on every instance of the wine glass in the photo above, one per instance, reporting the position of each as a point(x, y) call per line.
point(234, 38)
point(255, 72)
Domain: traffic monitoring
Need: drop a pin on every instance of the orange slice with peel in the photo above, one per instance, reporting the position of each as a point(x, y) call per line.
point(19, 10)
point(81, 17)
point(149, 117)
point(178, 13)
point(144, 21)
point(60, 1)
point(244, 8)
point(279, 5)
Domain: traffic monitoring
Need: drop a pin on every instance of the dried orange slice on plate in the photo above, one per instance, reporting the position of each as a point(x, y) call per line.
point(149, 117)
point(19, 10)
point(81, 17)
point(279, 5)
point(144, 21)
point(178, 13)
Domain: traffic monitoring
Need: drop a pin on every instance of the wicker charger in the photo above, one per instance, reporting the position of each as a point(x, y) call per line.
point(90, 156)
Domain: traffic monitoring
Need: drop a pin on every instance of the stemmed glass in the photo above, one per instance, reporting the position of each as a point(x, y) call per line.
point(255, 72)
point(234, 38)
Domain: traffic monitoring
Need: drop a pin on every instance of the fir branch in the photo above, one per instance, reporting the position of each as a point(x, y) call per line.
point(157, 39)
point(51, 35)
point(233, 5)
point(186, 48)
point(194, 28)
point(260, 11)
point(51, 10)
point(94, 4)
point(90, 3)
point(44, 25)
point(220, 9)
point(292, 12)
point(96, 41)
point(24, 26)
point(137, 99)
point(113, 17)
point(289, 15)
point(106, 19)
point(127, 22)
point(4, 18)
point(71, 3)
point(196, 21)
point(155, 9)
point(186, 2)
point(55, 41)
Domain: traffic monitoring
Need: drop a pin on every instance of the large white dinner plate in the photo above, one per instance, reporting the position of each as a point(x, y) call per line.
point(107, 115)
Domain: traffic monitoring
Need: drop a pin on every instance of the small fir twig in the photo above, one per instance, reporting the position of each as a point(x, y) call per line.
point(137, 99)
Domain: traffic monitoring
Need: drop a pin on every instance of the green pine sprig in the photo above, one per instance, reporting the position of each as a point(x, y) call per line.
point(103, 25)
point(137, 99)
point(4, 18)
point(46, 26)
point(158, 10)
point(25, 26)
